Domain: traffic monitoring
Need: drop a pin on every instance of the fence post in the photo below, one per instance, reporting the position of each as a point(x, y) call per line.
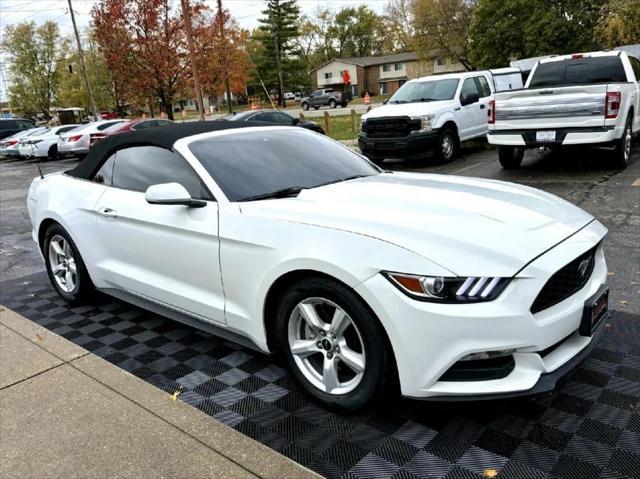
point(301, 116)
point(326, 122)
point(369, 108)
point(353, 120)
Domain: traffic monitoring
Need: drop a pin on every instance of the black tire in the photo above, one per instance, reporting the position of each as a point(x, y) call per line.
point(448, 146)
point(379, 373)
point(510, 157)
point(52, 154)
point(332, 103)
point(622, 150)
point(316, 107)
point(305, 106)
point(343, 105)
point(84, 289)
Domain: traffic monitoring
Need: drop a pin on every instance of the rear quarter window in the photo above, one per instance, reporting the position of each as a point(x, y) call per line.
point(576, 71)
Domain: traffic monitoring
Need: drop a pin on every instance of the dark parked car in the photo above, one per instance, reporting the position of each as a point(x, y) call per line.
point(275, 117)
point(9, 126)
point(326, 97)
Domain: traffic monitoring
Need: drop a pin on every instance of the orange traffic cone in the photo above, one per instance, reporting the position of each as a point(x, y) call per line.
point(184, 113)
point(163, 114)
point(367, 98)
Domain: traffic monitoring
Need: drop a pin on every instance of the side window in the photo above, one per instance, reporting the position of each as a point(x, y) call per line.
point(104, 175)
point(104, 126)
point(483, 86)
point(469, 86)
point(635, 65)
point(66, 128)
point(282, 118)
point(25, 124)
point(139, 167)
point(163, 122)
point(144, 124)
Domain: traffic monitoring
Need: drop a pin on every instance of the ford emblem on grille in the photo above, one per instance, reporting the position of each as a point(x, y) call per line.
point(584, 266)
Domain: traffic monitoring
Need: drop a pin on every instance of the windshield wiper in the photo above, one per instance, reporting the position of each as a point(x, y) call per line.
point(340, 180)
point(283, 193)
point(417, 100)
point(397, 101)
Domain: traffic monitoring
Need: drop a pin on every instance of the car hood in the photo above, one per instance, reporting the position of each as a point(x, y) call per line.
point(471, 227)
point(408, 109)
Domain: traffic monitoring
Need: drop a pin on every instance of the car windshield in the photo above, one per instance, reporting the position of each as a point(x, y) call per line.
point(250, 164)
point(37, 131)
point(432, 90)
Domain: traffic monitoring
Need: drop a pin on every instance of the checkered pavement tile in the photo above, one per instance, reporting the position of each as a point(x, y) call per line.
point(588, 427)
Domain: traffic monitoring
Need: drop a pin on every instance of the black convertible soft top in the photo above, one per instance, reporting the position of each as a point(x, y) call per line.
point(163, 137)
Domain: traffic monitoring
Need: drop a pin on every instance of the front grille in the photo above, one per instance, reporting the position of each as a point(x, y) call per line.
point(566, 281)
point(390, 127)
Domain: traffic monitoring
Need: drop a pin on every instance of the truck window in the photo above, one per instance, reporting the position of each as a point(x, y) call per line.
point(635, 64)
point(483, 86)
point(583, 70)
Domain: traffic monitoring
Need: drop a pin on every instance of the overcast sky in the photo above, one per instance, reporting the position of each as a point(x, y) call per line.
point(246, 12)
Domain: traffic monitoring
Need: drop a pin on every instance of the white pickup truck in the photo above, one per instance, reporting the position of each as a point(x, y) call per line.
point(433, 113)
point(580, 99)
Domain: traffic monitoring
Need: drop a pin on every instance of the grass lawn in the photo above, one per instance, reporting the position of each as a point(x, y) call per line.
point(340, 127)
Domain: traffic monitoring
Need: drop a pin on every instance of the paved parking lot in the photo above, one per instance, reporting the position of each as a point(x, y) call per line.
point(589, 427)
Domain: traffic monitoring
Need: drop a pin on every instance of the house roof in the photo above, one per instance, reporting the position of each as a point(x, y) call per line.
point(371, 61)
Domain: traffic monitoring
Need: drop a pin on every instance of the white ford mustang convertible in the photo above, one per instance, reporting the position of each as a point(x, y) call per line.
point(364, 281)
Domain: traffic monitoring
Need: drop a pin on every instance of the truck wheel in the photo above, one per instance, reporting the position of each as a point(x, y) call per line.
point(510, 157)
point(332, 103)
point(316, 107)
point(448, 145)
point(343, 105)
point(623, 147)
point(305, 106)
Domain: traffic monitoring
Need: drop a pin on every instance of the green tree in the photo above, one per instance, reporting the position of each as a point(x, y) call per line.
point(358, 32)
point(505, 29)
point(619, 23)
point(400, 26)
point(32, 52)
point(442, 26)
point(279, 63)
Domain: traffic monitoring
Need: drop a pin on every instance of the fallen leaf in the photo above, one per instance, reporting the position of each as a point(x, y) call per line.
point(624, 301)
point(175, 395)
point(611, 273)
point(490, 473)
point(39, 337)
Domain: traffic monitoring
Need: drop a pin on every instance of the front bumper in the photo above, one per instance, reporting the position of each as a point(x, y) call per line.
point(429, 338)
point(564, 136)
point(415, 145)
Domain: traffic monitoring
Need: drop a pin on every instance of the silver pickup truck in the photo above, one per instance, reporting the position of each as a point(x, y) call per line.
point(581, 99)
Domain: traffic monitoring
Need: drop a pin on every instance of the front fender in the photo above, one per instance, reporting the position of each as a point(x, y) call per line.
point(443, 118)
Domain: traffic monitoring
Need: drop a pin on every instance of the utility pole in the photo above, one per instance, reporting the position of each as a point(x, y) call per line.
point(225, 56)
point(192, 54)
point(92, 103)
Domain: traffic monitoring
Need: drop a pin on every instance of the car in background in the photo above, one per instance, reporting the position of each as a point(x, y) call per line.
point(134, 125)
point(79, 141)
point(274, 117)
point(326, 97)
point(289, 96)
point(43, 144)
point(9, 146)
point(9, 126)
point(589, 99)
point(108, 115)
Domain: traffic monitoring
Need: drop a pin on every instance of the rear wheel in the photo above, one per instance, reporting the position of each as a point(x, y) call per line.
point(332, 103)
point(65, 266)
point(333, 344)
point(448, 145)
point(510, 157)
point(623, 147)
point(305, 106)
point(53, 152)
point(316, 107)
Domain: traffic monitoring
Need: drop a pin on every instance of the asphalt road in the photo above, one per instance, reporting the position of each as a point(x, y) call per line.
point(581, 176)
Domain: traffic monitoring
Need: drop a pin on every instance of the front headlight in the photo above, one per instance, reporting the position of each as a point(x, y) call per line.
point(441, 289)
point(426, 122)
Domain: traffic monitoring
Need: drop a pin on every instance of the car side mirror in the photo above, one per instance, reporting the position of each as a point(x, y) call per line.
point(469, 98)
point(384, 102)
point(296, 121)
point(171, 194)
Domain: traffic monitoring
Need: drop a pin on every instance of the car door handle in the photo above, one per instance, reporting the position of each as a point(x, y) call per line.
point(482, 107)
point(108, 212)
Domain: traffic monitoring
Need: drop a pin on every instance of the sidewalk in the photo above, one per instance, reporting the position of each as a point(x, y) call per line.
point(67, 413)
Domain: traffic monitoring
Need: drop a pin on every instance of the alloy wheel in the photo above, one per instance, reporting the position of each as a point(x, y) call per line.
point(627, 144)
point(326, 346)
point(63, 264)
point(446, 146)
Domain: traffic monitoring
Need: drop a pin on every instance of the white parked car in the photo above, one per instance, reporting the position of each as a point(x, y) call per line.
point(581, 99)
point(289, 242)
point(44, 144)
point(80, 141)
point(432, 114)
point(10, 146)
